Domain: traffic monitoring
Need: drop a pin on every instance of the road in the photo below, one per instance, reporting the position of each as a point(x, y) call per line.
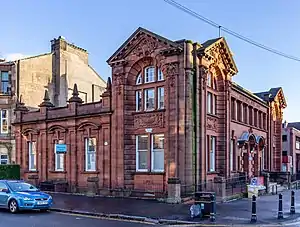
point(53, 219)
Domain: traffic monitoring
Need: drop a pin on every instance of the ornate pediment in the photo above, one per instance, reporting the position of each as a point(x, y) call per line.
point(141, 43)
point(218, 54)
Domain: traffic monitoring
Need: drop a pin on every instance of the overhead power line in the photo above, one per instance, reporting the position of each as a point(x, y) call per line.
point(235, 34)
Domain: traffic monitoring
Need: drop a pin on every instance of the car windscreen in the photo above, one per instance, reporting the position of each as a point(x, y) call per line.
point(21, 187)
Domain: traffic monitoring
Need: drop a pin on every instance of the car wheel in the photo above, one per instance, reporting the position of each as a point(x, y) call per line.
point(13, 206)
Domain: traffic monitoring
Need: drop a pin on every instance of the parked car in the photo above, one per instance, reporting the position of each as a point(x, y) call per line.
point(18, 195)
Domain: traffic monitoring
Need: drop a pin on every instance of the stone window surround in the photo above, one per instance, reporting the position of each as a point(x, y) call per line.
point(150, 154)
point(141, 87)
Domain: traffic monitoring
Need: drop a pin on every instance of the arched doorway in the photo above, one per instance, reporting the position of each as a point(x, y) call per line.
point(251, 153)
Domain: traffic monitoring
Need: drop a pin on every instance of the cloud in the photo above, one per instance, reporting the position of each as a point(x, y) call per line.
point(14, 56)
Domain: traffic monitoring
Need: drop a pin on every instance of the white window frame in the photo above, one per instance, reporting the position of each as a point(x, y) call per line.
point(209, 80)
point(146, 98)
point(138, 94)
point(149, 74)
point(160, 90)
point(209, 102)
point(137, 150)
point(160, 75)
point(212, 154)
point(231, 155)
point(139, 79)
point(2, 120)
point(4, 159)
point(87, 153)
point(31, 166)
point(156, 150)
point(297, 143)
point(59, 157)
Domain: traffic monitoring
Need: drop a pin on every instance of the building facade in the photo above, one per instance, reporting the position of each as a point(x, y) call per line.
point(291, 147)
point(176, 117)
point(56, 71)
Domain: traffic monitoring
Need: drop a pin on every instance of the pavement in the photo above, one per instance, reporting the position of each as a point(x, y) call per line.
point(53, 219)
point(234, 213)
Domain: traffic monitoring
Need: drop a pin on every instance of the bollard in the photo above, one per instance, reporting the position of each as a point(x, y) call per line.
point(280, 213)
point(292, 210)
point(253, 215)
point(212, 208)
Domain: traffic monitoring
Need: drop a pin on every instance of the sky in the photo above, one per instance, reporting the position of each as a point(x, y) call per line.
point(102, 26)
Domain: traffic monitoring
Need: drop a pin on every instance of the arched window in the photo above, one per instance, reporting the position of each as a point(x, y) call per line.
point(211, 94)
point(149, 96)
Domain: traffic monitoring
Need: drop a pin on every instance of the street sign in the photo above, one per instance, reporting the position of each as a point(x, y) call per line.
point(60, 148)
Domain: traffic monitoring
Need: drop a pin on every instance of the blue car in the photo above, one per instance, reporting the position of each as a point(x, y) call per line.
point(19, 195)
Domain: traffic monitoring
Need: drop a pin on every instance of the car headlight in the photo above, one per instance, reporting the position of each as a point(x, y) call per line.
point(27, 199)
point(50, 197)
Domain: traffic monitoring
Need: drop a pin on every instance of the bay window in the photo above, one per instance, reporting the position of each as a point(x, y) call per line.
point(150, 155)
point(90, 154)
point(32, 155)
point(4, 121)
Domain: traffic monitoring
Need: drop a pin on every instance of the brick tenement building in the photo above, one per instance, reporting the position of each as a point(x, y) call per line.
point(55, 71)
point(172, 116)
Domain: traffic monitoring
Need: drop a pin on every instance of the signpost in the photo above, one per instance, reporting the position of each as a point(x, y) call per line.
point(60, 148)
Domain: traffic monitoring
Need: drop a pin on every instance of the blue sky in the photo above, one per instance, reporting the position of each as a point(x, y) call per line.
point(102, 26)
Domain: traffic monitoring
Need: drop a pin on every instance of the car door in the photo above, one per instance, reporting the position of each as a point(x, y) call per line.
point(3, 195)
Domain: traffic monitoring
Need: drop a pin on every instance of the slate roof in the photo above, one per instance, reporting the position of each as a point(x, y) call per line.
point(294, 125)
point(271, 93)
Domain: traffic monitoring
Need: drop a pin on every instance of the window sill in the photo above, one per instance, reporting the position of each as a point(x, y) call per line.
point(148, 111)
point(89, 172)
point(149, 173)
point(31, 171)
point(212, 172)
point(57, 171)
point(212, 115)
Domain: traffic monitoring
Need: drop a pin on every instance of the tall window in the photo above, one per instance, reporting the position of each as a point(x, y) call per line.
point(142, 153)
point(59, 158)
point(3, 159)
point(232, 155)
point(32, 155)
point(250, 115)
point(4, 121)
point(90, 154)
point(149, 99)
point(4, 82)
point(138, 100)
point(212, 154)
point(233, 109)
point(160, 75)
point(157, 152)
point(211, 94)
point(149, 74)
point(298, 143)
point(245, 117)
point(161, 98)
point(151, 95)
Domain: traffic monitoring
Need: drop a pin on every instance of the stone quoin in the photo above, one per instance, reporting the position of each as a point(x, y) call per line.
point(170, 116)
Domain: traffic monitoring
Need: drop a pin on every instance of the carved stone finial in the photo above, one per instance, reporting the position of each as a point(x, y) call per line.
point(75, 96)
point(108, 84)
point(46, 101)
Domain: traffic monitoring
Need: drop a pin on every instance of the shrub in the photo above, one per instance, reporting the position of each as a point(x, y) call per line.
point(9, 172)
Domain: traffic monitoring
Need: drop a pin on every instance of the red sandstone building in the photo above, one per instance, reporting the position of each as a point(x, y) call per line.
point(171, 115)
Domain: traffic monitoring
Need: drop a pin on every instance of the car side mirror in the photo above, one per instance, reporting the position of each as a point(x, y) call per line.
point(5, 190)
